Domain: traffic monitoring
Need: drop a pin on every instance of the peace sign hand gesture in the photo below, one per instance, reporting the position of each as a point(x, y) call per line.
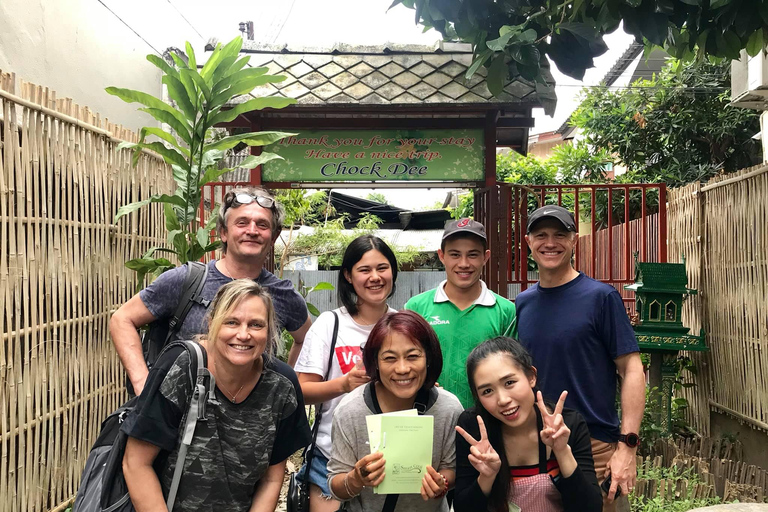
point(482, 456)
point(555, 433)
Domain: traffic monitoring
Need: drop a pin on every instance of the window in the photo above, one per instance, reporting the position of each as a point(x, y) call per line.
point(670, 311)
point(655, 311)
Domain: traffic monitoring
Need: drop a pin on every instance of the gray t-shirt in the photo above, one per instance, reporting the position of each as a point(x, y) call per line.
point(350, 443)
point(162, 298)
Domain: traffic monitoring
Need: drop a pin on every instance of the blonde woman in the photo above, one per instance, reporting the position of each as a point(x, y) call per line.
point(236, 461)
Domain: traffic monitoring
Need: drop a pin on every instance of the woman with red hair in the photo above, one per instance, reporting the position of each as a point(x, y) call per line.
point(403, 359)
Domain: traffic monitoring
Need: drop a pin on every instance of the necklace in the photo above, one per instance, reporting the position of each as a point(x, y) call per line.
point(227, 392)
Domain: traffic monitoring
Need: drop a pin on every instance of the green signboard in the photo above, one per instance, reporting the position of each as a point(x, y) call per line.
point(378, 155)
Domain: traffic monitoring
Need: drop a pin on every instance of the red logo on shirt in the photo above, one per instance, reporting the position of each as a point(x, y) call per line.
point(348, 357)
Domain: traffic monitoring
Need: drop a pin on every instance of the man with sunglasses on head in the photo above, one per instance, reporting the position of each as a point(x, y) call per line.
point(249, 222)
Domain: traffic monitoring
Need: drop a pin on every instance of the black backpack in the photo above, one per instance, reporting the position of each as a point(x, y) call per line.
point(162, 331)
point(102, 485)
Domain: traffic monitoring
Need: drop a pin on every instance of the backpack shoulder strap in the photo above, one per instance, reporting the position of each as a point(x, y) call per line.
point(190, 293)
point(204, 386)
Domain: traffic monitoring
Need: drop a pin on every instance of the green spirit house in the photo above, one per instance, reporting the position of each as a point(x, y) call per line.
point(660, 289)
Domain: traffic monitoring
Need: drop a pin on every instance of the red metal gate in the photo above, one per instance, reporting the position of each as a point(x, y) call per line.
point(608, 237)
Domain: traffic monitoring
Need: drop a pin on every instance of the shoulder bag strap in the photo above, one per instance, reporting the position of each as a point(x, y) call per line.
point(190, 293)
point(202, 383)
point(308, 453)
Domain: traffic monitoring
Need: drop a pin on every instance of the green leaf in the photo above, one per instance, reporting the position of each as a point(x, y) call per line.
point(181, 129)
point(244, 87)
point(131, 96)
point(223, 70)
point(527, 55)
point(249, 106)
point(170, 155)
point(506, 33)
point(497, 75)
point(528, 37)
point(157, 198)
point(182, 246)
point(231, 48)
point(211, 222)
point(238, 76)
point(147, 264)
point(214, 246)
point(320, 287)
point(162, 134)
point(203, 237)
point(171, 220)
point(312, 309)
point(251, 139)
point(716, 4)
point(213, 173)
point(479, 61)
point(190, 55)
point(198, 80)
point(163, 65)
point(178, 93)
point(579, 29)
point(180, 176)
point(755, 43)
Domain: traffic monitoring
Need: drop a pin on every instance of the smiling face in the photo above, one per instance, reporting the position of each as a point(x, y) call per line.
point(464, 259)
point(248, 232)
point(371, 277)
point(242, 336)
point(504, 390)
point(551, 245)
point(402, 365)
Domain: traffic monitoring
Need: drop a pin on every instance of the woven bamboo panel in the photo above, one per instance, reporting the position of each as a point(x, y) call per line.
point(61, 276)
point(685, 238)
point(722, 228)
point(735, 264)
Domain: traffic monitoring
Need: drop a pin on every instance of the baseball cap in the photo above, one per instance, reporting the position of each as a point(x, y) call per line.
point(464, 226)
point(552, 212)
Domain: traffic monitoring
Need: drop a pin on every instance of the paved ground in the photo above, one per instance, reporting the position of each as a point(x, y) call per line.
point(734, 507)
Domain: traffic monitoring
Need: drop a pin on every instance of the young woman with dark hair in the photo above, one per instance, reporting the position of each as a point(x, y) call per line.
point(512, 454)
point(366, 280)
point(403, 360)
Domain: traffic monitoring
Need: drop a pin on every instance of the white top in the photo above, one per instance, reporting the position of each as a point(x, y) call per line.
point(314, 359)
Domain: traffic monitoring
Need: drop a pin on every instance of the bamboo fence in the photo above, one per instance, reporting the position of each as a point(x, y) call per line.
point(61, 276)
point(722, 229)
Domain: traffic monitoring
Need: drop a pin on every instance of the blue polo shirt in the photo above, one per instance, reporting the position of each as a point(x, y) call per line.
point(574, 333)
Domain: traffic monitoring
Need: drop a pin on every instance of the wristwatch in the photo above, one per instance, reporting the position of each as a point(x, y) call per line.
point(630, 439)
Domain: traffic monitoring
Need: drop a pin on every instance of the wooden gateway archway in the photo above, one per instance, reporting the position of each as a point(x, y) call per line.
point(391, 116)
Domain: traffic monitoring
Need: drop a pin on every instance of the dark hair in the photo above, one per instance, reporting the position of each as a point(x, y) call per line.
point(413, 326)
point(462, 236)
point(502, 486)
point(354, 253)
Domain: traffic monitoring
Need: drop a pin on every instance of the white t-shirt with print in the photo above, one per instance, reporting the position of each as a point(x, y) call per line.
point(314, 359)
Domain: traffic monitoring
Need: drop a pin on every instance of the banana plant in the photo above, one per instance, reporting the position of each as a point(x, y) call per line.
point(202, 97)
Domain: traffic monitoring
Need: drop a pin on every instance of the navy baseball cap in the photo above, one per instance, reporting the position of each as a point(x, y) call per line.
point(552, 212)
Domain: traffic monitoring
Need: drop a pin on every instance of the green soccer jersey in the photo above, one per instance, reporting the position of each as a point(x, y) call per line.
point(459, 332)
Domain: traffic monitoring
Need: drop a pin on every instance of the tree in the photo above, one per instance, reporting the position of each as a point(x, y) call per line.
point(201, 99)
point(676, 128)
point(514, 38)
point(378, 197)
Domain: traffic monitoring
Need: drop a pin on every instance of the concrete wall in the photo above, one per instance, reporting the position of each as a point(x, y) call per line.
point(755, 441)
point(77, 48)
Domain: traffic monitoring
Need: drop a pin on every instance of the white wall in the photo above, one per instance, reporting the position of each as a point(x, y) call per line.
point(77, 48)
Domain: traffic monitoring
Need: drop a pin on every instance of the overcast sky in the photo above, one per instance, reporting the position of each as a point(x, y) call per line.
point(164, 23)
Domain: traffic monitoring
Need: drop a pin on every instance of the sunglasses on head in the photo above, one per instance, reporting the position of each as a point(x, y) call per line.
point(241, 198)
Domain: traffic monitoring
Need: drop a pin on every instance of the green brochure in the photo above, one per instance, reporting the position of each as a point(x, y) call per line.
point(405, 439)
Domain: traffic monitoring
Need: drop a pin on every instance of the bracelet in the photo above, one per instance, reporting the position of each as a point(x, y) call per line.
point(346, 488)
point(444, 491)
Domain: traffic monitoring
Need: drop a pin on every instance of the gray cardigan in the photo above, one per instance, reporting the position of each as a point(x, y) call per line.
point(349, 436)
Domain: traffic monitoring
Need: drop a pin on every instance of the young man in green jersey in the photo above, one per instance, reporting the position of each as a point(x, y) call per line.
point(462, 310)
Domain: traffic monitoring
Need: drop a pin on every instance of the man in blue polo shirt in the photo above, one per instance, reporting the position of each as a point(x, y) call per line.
point(578, 332)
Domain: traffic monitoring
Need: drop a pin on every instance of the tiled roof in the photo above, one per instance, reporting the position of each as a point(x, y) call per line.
point(387, 75)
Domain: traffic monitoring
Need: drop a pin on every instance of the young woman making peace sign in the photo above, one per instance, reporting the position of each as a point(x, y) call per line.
point(512, 455)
